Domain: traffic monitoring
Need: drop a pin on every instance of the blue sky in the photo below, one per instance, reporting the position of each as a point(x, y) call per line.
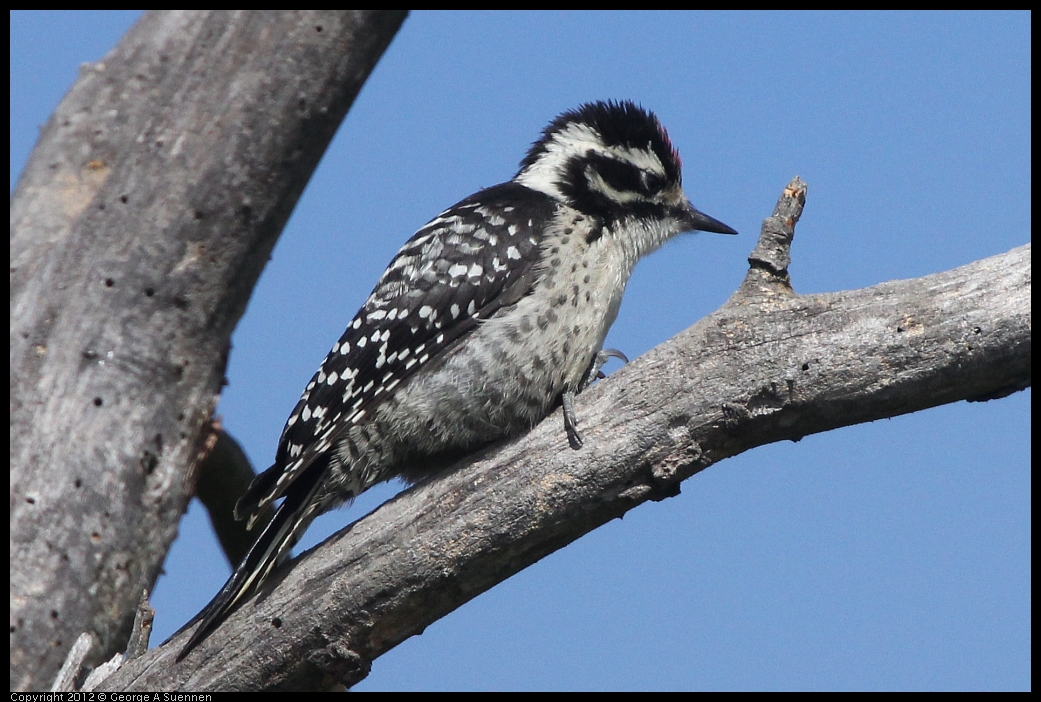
point(892, 555)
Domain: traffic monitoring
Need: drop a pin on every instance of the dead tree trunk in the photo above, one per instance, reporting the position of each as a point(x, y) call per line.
point(141, 223)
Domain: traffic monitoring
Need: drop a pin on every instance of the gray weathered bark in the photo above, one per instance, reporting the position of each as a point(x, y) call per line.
point(140, 224)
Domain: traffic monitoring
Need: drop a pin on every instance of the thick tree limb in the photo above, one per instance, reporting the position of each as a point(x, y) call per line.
point(144, 217)
point(768, 366)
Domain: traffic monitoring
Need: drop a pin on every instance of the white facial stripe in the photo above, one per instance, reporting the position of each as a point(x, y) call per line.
point(575, 140)
point(544, 174)
point(644, 159)
point(598, 183)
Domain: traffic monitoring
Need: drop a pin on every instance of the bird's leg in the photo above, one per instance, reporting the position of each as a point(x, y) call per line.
point(570, 423)
point(574, 438)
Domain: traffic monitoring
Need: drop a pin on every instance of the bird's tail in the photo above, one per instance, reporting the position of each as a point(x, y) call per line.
point(274, 543)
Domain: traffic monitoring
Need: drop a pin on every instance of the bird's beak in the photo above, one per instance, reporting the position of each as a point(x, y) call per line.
point(701, 222)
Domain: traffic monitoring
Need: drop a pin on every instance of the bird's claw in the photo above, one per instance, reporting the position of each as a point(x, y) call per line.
point(598, 362)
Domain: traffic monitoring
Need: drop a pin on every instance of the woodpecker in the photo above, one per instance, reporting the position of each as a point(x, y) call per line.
point(486, 320)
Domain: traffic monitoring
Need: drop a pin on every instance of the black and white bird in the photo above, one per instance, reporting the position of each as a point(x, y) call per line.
point(487, 319)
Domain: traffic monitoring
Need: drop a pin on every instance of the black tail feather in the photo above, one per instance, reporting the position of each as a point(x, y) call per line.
point(272, 545)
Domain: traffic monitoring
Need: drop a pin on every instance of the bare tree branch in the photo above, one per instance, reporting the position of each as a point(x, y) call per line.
point(223, 476)
point(768, 366)
point(140, 224)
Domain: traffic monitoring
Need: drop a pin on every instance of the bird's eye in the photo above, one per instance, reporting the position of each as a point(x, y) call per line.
point(653, 182)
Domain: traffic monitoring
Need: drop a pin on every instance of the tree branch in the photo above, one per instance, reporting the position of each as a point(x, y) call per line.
point(768, 366)
point(146, 212)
